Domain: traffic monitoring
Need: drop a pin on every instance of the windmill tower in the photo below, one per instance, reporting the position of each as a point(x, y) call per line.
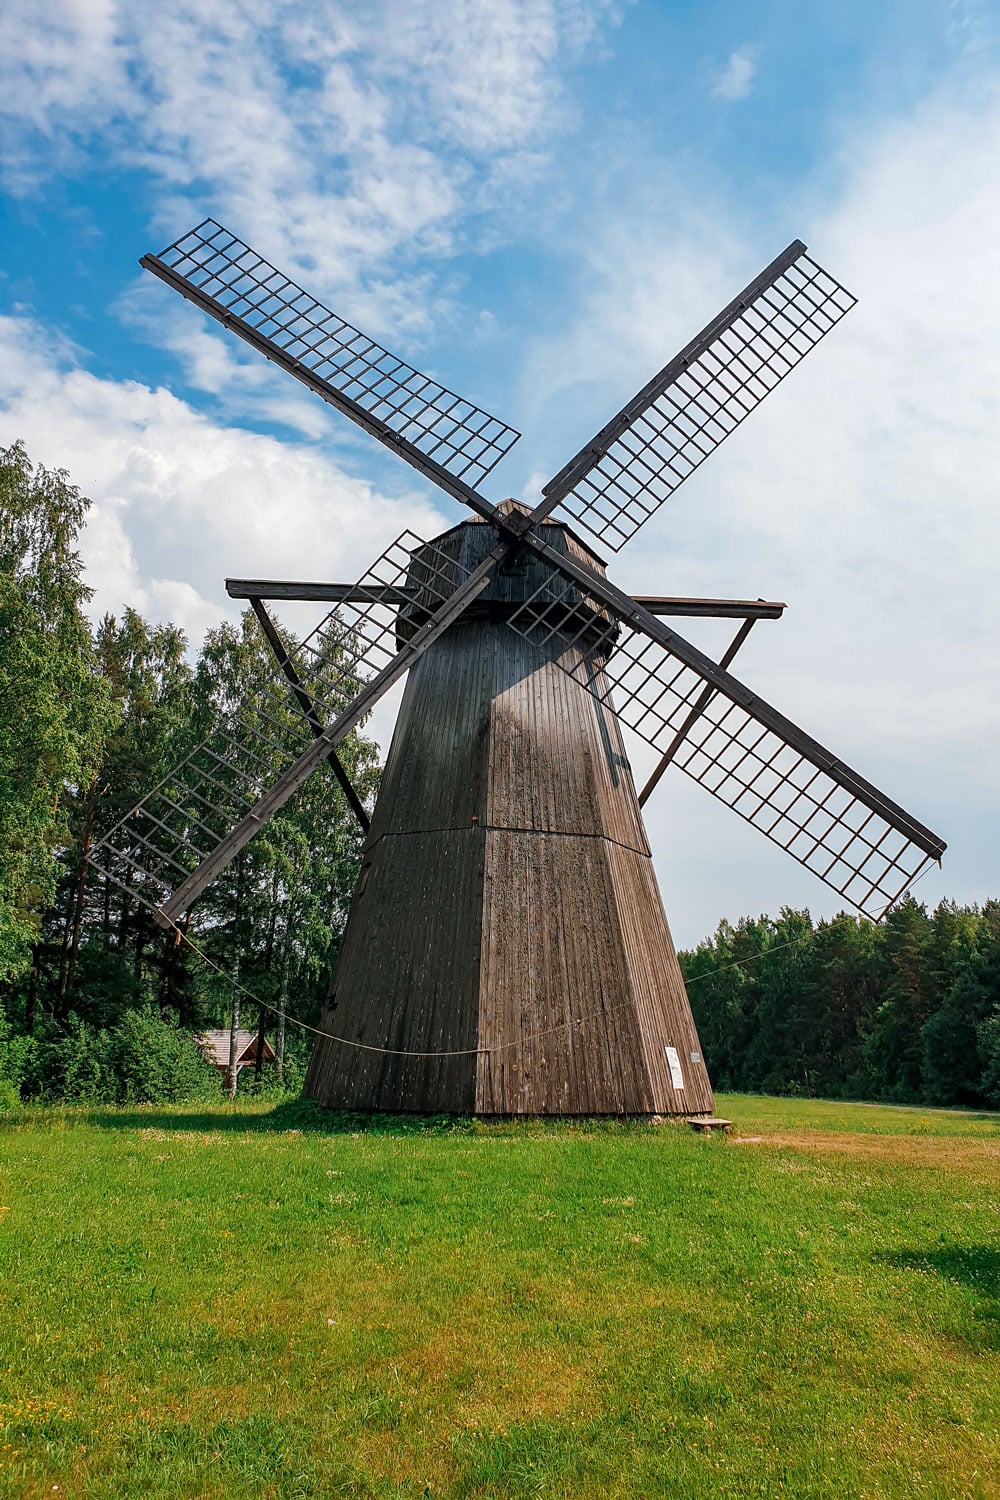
point(507, 950)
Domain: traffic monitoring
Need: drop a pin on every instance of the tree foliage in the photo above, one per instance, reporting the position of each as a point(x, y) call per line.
point(92, 720)
point(907, 1011)
point(55, 706)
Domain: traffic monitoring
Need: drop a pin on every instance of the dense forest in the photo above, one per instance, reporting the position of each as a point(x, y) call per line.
point(906, 1011)
point(97, 1003)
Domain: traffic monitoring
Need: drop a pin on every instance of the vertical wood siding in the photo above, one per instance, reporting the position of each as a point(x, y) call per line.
point(507, 902)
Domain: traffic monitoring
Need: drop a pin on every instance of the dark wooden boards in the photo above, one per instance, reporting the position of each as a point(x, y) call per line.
point(406, 980)
point(507, 908)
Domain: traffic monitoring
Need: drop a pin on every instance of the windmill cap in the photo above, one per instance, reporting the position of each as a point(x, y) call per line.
point(524, 583)
point(510, 506)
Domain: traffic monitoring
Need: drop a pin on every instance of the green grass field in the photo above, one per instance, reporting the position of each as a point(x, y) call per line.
point(264, 1302)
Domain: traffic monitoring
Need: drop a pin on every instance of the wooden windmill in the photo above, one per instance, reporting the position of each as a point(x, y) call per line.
point(506, 950)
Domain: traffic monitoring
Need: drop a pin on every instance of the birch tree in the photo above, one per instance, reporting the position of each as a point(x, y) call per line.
point(55, 707)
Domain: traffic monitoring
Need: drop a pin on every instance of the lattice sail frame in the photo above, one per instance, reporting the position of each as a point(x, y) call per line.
point(670, 427)
point(805, 801)
point(185, 818)
point(810, 805)
point(454, 433)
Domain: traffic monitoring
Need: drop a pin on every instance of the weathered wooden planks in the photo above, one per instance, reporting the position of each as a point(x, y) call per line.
point(507, 907)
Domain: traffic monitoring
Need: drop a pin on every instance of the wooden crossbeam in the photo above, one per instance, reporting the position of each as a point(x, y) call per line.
point(308, 708)
point(349, 593)
point(697, 709)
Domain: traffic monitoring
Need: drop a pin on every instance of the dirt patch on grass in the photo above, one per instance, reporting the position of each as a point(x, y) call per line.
point(979, 1158)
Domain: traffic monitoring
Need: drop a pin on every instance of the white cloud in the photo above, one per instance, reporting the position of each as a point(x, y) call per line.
point(971, 25)
point(488, 73)
point(181, 501)
point(243, 386)
point(336, 136)
point(863, 492)
point(736, 78)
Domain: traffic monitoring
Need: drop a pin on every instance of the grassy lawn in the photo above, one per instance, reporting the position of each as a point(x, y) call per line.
point(266, 1302)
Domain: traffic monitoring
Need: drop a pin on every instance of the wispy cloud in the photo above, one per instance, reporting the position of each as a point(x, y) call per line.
point(971, 25)
point(736, 78)
point(339, 135)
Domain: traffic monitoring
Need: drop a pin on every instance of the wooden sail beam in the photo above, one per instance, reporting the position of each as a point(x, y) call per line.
point(697, 709)
point(349, 593)
point(308, 708)
point(716, 609)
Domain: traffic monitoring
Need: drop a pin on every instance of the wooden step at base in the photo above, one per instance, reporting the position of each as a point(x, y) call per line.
point(705, 1124)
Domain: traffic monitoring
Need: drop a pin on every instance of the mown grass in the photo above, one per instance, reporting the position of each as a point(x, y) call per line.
point(271, 1303)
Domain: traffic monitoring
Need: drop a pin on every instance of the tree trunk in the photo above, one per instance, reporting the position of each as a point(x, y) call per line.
point(81, 886)
point(64, 954)
point(106, 924)
point(232, 1072)
point(258, 1066)
point(175, 992)
point(123, 922)
point(272, 924)
point(140, 943)
point(279, 1038)
point(31, 1004)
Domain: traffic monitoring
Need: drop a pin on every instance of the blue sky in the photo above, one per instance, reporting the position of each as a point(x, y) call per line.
point(538, 201)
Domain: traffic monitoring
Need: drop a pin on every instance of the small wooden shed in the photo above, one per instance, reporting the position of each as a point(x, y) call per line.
point(215, 1047)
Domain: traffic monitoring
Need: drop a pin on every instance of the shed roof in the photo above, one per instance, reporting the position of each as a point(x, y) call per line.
point(215, 1046)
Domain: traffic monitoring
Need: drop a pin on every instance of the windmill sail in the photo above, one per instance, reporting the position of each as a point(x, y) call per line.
point(451, 440)
point(670, 427)
point(760, 764)
point(168, 842)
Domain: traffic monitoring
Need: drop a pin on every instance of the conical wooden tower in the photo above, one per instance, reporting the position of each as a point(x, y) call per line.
point(507, 909)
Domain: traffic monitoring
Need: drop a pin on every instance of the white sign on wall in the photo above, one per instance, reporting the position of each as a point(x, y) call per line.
point(676, 1075)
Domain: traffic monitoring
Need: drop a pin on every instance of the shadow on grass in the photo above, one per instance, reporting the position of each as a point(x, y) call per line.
point(973, 1266)
point(976, 1268)
point(297, 1114)
point(307, 1118)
